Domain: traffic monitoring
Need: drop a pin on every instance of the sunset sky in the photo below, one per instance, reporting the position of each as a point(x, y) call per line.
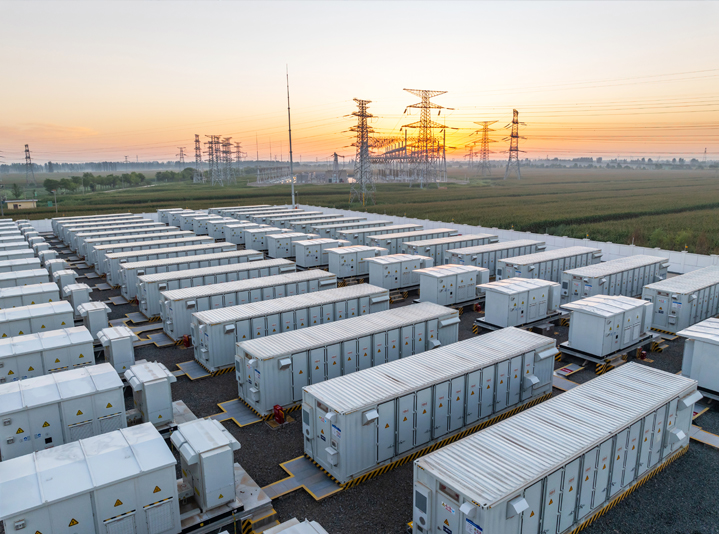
point(91, 81)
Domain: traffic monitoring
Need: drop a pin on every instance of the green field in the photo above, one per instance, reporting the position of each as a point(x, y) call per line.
point(667, 209)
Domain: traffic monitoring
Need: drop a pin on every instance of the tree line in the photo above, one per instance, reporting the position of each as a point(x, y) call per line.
point(90, 182)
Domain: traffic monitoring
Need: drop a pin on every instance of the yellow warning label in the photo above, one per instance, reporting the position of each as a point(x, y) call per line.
point(571, 488)
point(586, 478)
point(79, 412)
point(387, 425)
point(440, 404)
point(11, 373)
point(43, 326)
point(551, 501)
point(605, 466)
point(157, 489)
point(380, 350)
point(515, 376)
point(393, 346)
point(633, 447)
point(159, 416)
point(618, 456)
point(4, 335)
point(487, 386)
point(532, 514)
point(471, 394)
point(57, 360)
point(424, 412)
point(244, 336)
point(645, 439)
point(82, 355)
point(20, 431)
point(501, 381)
point(63, 323)
point(300, 371)
point(45, 424)
point(457, 397)
point(220, 497)
point(21, 333)
point(365, 354)
point(33, 302)
point(31, 368)
point(322, 431)
point(405, 418)
point(349, 358)
point(317, 367)
point(406, 342)
point(446, 522)
point(118, 502)
point(73, 523)
point(334, 363)
point(108, 405)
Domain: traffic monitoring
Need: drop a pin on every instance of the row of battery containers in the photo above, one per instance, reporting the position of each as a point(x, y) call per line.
point(518, 301)
point(317, 225)
point(215, 332)
point(121, 481)
point(24, 278)
point(544, 472)
point(436, 248)
point(24, 264)
point(149, 286)
point(235, 232)
point(34, 355)
point(393, 242)
point(283, 245)
point(58, 223)
point(358, 423)
point(331, 231)
point(547, 265)
point(17, 254)
point(68, 229)
point(85, 242)
point(350, 261)
point(451, 284)
point(113, 262)
point(313, 252)
point(397, 271)
point(360, 236)
point(9, 246)
point(487, 256)
point(605, 324)
point(684, 300)
point(40, 293)
point(98, 248)
point(129, 272)
point(36, 318)
point(624, 276)
point(178, 306)
point(102, 253)
point(47, 411)
point(273, 371)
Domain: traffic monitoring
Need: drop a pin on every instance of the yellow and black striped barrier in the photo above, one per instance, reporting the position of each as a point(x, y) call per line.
point(564, 322)
point(155, 319)
point(248, 525)
point(219, 372)
point(475, 329)
point(602, 368)
point(558, 357)
point(664, 331)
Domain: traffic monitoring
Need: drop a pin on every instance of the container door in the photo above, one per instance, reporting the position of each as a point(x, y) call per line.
point(285, 290)
point(216, 302)
point(299, 375)
point(393, 340)
point(419, 338)
point(334, 368)
point(385, 431)
point(364, 306)
point(244, 330)
point(661, 311)
point(531, 516)
point(603, 467)
point(340, 310)
point(630, 465)
point(456, 419)
point(515, 380)
point(268, 293)
point(302, 318)
point(656, 451)
point(441, 409)
point(352, 308)
point(431, 332)
point(474, 388)
point(315, 316)
point(645, 444)
point(255, 295)
point(589, 472)
point(570, 489)
point(317, 365)
point(407, 342)
point(447, 512)
point(618, 458)
point(349, 356)
point(528, 370)
point(273, 324)
point(423, 427)
point(328, 313)
point(671, 425)
point(288, 321)
point(405, 423)
point(364, 353)
point(487, 400)
point(551, 502)
point(501, 387)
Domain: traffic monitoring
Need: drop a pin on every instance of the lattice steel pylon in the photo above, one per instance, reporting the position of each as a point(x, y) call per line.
point(484, 152)
point(239, 154)
point(181, 155)
point(427, 162)
point(198, 177)
point(29, 171)
point(227, 171)
point(363, 188)
point(214, 158)
point(514, 151)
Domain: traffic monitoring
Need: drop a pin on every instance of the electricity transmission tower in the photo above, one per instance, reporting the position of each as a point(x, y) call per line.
point(484, 151)
point(214, 158)
point(198, 177)
point(229, 175)
point(363, 188)
point(336, 167)
point(29, 172)
point(470, 156)
point(239, 154)
point(181, 155)
point(427, 156)
point(514, 151)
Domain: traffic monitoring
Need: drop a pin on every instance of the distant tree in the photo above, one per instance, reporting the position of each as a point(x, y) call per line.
point(17, 191)
point(599, 160)
point(51, 185)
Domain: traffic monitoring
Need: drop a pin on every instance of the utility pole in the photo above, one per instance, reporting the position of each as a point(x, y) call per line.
point(181, 156)
point(289, 129)
point(198, 177)
point(29, 171)
point(514, 151)
point(484, 151)
point(426, 156)
point(363, 187)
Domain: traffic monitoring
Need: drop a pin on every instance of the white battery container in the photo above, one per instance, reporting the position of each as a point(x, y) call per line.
point(283, 245)
point(235, 233)
point(359, 236)
point(46, 255)
point(397, 271)
point(350, 261)
point(76, 294)
point(187, 219)
point(52, 266)
point(77, 238)
point(548, 265)
point(215, 332)
point(273, 370)
point(87, 249)
point(19, 254)
point(281, 220)
point(305, 221)
point(100, 252)
point(487, 255)
point(11, 297)
point(451, 284)
point(221, 209)
point(330, 230)
point(255, 237)
point(216, 227)
point(207, 459)
point(130, 271)
point(117, 342)
point(393, 241)
point(83, 242)
point(113, 261)
point(122, 481)
point(94, 316)
point(701, 355)
point(200, 225)
point(558, 466)
point(264, 218)
point(32, 355)
point(152, 392)
point(48, 411)
point(68, 230)
point(179, 305)
point(604, 324)
point(684, 300)
point(149, 286)
point(175, 218)
point(363, 423)
point(435, 248)
point(518, 301)
point(316, 225)
point(37, 248)
point(164, 213)
point(35, 318)
point(64, 278)
point(313, 252)
point(59, 222)
point(32, 240)
point(24, 278)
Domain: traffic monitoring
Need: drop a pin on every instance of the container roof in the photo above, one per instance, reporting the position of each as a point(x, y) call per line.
point(610, 267)
point(418, 233)
point(358, 224)
point(448, 269)
point(289, 234)
point(707, 330)
point(330, 333)
point(352, 249)
point(150, 371)
point(169, 234)
point(217, 269)
point(381, 229)
point(187, 259)
point(397, 258)
point(335, 220)
point(36, 310)
point(172, 250)
point(179, 240)
point(549, 255)
point(11, 275)
point(689, 282)
point(134, 228)
point(450, 239)
point(494, 464)
point(367, 388)
point(605, 305)
point(45, 477)
point(321, 241)
point(510, 286)
point(491, 247)
point(20, 261)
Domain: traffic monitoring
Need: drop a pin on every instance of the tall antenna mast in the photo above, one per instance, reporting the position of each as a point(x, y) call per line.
point(289, 128)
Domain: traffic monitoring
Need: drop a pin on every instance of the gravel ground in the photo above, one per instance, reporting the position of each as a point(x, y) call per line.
point(670, 503)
